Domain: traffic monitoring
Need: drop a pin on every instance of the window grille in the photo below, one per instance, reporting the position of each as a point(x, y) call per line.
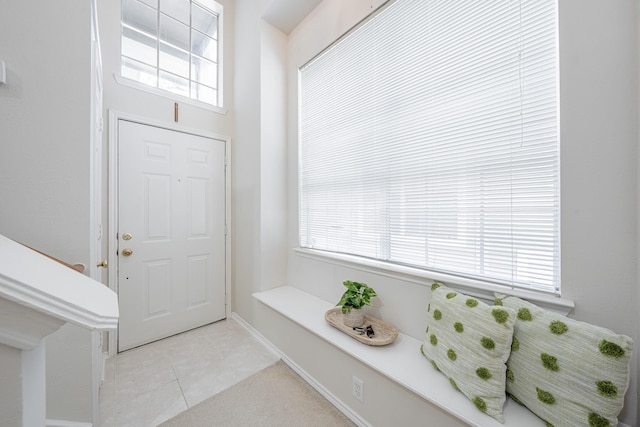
point(173, 45)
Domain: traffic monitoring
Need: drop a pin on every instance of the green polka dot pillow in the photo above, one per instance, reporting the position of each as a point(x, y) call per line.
point(567, 372)
point(469, 342)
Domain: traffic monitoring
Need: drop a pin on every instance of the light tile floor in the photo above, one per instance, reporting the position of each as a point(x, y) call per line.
point(148, 385)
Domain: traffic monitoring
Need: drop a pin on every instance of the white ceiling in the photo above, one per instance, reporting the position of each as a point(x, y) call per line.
point(287, 14)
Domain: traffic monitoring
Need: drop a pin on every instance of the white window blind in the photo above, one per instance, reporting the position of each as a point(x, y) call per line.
point(429, 137)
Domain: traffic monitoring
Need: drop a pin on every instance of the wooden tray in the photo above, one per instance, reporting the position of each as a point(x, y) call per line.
point(385, 333)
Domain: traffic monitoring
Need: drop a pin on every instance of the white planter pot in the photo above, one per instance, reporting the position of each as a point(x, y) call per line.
point(354, 318)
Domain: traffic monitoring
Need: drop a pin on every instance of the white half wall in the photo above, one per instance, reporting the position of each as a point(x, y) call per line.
point(386, 403)
point(69, 374)
point(11, 386)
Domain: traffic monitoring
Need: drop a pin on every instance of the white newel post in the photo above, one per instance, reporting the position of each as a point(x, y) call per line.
point(37, 297)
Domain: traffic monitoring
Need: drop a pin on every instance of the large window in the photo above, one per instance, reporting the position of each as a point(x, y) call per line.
point(429, 138)
point(173, 45)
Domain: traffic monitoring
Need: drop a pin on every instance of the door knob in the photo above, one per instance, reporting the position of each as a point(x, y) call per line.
point(103, 264)
point(127, 251)
point(126, 236)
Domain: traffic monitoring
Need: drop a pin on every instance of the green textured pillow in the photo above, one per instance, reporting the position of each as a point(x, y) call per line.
point(567, 372)
point(469, 342)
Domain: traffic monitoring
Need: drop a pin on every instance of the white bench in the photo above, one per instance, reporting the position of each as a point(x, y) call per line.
point(400, 361)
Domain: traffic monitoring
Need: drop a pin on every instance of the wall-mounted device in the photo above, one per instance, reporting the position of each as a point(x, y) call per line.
point(3, 73)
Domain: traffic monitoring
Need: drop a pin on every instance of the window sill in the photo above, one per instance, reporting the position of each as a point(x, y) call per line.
point(168, 95)
point(400, 361)
point(476, 288)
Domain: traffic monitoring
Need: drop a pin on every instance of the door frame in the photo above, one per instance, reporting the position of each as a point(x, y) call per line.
point(96, 218)
point(114, 118)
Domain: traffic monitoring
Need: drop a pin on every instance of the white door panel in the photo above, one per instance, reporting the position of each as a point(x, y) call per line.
point(171, 188)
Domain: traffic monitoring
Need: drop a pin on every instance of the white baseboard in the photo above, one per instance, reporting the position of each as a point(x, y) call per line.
point(235, 316)
point(339, 404)
point(61, 423)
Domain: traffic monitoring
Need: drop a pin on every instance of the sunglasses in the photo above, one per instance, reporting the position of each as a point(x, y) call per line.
point(368, 330)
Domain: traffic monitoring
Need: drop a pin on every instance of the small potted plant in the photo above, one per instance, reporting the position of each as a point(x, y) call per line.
point(354, 298)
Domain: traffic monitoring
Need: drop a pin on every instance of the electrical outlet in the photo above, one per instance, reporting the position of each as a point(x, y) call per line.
point(358, 389)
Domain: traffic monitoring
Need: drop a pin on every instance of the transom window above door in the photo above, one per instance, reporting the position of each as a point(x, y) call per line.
point(175, 46)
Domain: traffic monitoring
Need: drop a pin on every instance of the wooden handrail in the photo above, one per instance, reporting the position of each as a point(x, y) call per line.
point(77, 267)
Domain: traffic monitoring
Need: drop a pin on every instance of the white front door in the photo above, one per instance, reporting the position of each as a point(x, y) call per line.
point(171, 232)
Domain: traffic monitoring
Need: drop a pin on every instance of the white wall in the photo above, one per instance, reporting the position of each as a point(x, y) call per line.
point(638, 204)
point(599, 163)
point(637, 17)
point(246, 170)
point(259, 157)
point(11, 389)
point(44, 157)
point(599, 167)
point(44, 135)
point(273, 155)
